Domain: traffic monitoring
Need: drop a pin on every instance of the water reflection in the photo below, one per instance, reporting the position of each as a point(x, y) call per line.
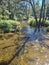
point(29, 31)
point(34, 36)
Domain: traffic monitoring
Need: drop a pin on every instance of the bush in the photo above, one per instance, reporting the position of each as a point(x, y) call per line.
point(5, 26)
point(47, 29)
point(8, 26)
point(32, 22)
point(47, 23)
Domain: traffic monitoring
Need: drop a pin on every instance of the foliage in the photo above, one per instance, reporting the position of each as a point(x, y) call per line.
point(32, 22)
point(5, 26)
point(11, 8)
point(47, 12)
point(47, 29)
point(9, 26)
point(47, 23)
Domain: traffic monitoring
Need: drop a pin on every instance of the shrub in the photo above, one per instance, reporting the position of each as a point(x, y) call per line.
point(5, 26)
point(46, 23)
point(47, 29)
point(8, 26)
point(32, 22)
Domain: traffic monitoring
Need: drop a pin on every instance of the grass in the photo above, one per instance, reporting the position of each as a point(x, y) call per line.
point(8, 44)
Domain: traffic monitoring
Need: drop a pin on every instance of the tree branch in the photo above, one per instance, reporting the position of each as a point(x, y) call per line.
point(44, 12)
point(41, 11)
point(33, 7)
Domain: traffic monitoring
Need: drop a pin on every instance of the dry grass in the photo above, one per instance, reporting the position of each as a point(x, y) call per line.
point(8, 43)
point(33, 54)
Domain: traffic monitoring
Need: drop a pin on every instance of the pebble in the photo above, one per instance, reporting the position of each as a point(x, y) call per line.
point(25, 51)
point(38, 59)
point(41, 51)
point(36, 49)
point(35, 46)
point(43, 48)
point(46, 64)
point(37, 63)
point(45, 56)
point(47, 60)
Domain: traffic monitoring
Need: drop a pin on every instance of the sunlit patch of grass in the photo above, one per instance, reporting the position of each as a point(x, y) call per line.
point(8, 46)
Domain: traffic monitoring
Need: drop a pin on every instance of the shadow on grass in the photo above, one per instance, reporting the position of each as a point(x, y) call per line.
point(45, 45)
point(8, 47)
point(3, 63)
point(2, 43)
point(19, 50)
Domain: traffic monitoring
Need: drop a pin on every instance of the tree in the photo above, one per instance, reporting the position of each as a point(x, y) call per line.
point(47, 13)
point(22, 7)
point(4, 12)
point(42, 12)
point(8, 8)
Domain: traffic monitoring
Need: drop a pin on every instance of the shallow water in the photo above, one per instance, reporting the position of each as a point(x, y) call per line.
point(35, 36)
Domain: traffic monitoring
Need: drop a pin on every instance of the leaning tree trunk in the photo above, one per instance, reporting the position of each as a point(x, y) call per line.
point(41, 11)
point(44, 14)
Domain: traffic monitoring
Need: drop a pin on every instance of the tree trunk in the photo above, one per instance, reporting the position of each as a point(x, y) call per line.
point(44, 14)
point(41, 12)
point(11, 16)
point(33, 8)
